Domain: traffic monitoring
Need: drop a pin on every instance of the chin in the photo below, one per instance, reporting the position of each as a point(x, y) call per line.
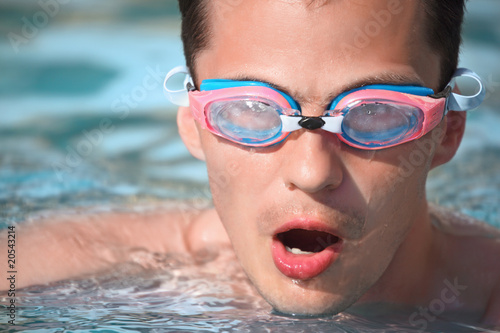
point(301, 302)
point(312, 308)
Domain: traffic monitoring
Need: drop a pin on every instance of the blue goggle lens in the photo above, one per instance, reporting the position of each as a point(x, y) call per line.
point(371, 123)
point(246, 120)
point(368, 123)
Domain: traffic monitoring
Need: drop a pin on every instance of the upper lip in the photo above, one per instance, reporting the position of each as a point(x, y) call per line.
point(307, 224)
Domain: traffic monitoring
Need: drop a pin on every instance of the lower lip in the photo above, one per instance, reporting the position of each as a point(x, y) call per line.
point(303, 266)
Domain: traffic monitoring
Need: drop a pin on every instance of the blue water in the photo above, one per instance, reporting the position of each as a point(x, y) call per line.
point(94, 68)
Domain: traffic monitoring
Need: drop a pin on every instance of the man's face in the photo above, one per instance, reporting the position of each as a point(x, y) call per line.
point(311, 189)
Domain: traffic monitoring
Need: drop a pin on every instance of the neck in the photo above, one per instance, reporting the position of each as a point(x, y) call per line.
point(411, 270)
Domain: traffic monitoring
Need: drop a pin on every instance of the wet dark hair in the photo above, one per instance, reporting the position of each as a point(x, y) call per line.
point(443, 30)
point(195, 30)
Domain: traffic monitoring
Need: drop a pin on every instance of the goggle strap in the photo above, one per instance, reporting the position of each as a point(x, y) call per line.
point(455, 101)
point(291, 123)
point(178, 97)
point(459, 102)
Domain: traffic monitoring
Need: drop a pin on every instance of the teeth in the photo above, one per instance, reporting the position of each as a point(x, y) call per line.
point(297, 251)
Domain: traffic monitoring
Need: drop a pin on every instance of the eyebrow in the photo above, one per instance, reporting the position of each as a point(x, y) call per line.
point(388, 78)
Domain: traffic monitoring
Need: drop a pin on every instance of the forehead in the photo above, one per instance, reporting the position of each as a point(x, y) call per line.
point(317, 43)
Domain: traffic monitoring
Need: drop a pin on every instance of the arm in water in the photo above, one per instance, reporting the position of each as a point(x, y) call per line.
point(72, 246)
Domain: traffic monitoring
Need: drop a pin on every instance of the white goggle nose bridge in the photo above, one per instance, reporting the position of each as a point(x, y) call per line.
point(294, 123)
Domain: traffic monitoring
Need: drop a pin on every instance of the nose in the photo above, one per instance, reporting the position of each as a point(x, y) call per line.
point(313, 162)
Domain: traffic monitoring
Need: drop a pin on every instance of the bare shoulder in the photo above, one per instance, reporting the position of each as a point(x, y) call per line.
point(472, 243)
point(471, 250)
point(456, 223)
point(60, 246)
point(206, 232)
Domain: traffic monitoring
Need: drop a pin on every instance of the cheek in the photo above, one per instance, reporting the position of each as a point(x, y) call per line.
point(394, 192)
point(224, 172)
point(222, 165)
point(396, 174)
point(234, 173)
point(392, 183)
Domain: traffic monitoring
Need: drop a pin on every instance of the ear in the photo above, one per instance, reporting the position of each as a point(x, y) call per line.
point(189, 132)
point(449, 136)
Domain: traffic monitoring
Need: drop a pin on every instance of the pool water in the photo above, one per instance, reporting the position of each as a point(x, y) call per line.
point(85, 126)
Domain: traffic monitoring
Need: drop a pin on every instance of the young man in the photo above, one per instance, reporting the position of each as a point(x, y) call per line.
point(320, 206)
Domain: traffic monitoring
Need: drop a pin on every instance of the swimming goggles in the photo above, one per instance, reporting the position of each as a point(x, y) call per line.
point(255, 114)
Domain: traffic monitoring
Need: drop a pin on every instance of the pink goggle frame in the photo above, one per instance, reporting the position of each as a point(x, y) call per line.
point(371, 117)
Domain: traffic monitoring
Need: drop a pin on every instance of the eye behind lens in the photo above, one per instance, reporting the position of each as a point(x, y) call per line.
point(381, 123)
point(245, 120)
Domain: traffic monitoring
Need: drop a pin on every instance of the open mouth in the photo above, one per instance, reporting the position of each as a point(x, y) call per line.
point(303, 253)
point(300, 241)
